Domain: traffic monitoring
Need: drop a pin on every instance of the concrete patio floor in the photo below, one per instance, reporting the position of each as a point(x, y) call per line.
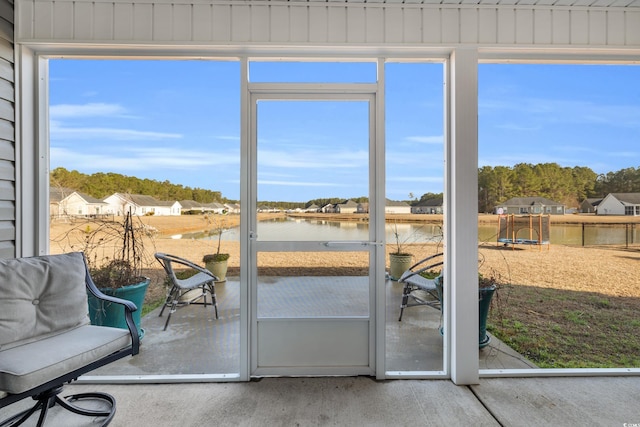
point(196, 343)
point(361, 401)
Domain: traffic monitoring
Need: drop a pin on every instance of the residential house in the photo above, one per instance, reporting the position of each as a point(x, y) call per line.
point(620, 204)
point(233, 208)
point(329, 208)
point(191, 206)
point(79, 204)
point(56, 195)
point(312, 208)
point(217, 208)
point(396, 207)
point(346, 207)
point(138, 204)
point(429, 206)
point(363, 207)
point(530, 205)
point(590, 205)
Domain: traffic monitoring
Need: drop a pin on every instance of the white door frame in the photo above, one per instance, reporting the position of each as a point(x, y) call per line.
point(375, 244)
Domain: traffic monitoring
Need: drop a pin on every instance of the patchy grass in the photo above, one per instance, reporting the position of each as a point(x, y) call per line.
point(567, 329)
point(149, 306)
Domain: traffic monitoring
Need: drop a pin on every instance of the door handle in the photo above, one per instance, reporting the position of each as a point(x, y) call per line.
point(351, 243)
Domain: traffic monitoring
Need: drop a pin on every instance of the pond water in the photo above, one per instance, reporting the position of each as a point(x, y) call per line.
point(319, 230)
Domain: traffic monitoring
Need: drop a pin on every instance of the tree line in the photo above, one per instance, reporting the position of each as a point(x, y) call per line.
point(567, 185)
point(101, 185)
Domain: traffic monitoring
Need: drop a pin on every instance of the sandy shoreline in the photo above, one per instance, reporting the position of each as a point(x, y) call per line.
point(604, 270)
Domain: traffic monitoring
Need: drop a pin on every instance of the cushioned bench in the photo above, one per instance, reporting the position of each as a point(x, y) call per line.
point(46, 338)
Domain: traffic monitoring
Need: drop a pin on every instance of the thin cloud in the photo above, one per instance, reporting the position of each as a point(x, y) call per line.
point(180, 157)
point(98, 109)
point(277, 175)
point(435, 139)
point(140, 159)
point(59, 129)
point(549, 110)
point(59, 132)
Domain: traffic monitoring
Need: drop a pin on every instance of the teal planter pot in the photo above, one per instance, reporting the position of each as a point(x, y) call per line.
point(485, 295)
point(484, 303)
point(104, 313)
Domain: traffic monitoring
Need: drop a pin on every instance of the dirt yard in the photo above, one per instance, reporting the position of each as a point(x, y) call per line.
point(605, 270)
point(560, 306)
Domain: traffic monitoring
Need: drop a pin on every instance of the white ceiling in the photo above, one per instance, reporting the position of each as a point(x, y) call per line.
point(563, 3)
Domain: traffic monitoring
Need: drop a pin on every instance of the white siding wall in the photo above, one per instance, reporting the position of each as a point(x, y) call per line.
point(74, 205)
point(610, 206)
point(397, 209)
point(159, 210)
point(7, 133)
point(197, 22)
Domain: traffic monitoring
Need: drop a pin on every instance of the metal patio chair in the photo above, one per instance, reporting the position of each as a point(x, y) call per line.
point(177, 295)
point(421, 290)
point(47, 341)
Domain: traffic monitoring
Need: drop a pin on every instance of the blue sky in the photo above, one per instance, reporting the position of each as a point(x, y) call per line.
point(180, 121)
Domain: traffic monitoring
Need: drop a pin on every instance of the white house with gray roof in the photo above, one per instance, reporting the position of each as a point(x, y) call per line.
point(429, 206)
point(140, 205)
point(396, 207)
point(590, 205)
point(530, 205)
point(193, 206)
point(65, 202)
point(620, 204)
point(346, 207)
point(79, 204)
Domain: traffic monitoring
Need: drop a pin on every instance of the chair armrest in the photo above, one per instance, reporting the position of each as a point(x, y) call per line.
point(176, 259)
point(411, 272)
point(129, 308)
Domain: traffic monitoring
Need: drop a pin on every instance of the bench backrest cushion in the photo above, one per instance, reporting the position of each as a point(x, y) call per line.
point(40, 296)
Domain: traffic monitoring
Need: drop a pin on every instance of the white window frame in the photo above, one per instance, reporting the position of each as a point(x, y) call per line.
point(461, 159)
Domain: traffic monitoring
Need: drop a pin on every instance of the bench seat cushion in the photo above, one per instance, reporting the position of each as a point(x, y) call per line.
point(29, 365)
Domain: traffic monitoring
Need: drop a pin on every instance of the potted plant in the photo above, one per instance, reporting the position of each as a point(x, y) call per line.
point(115, 254)
point(399, 259)
point(487, 286)
point(217, 262)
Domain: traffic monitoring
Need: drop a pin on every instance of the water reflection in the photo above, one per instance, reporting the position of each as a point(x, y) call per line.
point(287, 229)
point(322, 230)
point(577, 234)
